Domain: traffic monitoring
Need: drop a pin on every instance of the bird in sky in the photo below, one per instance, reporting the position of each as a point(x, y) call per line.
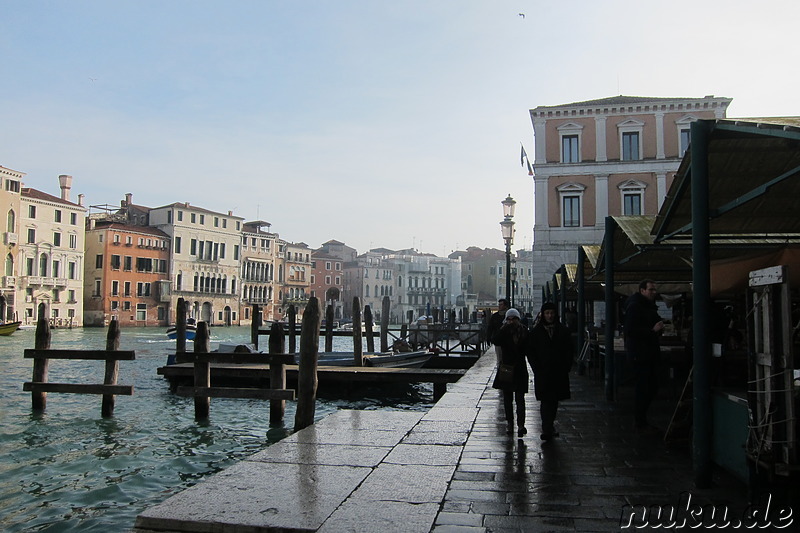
point(522, 15)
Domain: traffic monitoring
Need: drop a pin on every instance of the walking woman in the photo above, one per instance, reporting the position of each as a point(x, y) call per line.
point(551, 361)
point(513, 340)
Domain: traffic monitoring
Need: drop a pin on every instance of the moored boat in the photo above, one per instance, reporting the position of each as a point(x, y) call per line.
point(379, 359)
point(9, 327)
point(191, 329)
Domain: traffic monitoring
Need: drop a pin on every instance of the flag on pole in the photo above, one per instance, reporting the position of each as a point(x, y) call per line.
point(523, 159)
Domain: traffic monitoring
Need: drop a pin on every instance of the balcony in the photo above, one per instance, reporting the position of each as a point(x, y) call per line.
point(9, 281)
point(10, 238)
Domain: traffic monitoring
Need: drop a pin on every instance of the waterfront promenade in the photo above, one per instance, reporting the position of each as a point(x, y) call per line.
point(452, 469)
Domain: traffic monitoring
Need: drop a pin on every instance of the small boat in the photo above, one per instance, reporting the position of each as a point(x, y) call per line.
point(9, 327)
point(378, 359)
point(191, 329)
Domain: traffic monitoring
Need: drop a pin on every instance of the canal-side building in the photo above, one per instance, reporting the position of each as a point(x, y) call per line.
point(10, 209)
point(296, 286)
point(259, 252)
point(51, 257)
point(369, 277)
point(612, 156)
point(205, 260)
point(327, 281)
point(126, 275)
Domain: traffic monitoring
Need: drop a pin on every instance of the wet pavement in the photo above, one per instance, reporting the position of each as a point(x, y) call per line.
point(454, 469)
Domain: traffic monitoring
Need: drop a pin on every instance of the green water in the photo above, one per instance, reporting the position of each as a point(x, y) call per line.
point(69, 469)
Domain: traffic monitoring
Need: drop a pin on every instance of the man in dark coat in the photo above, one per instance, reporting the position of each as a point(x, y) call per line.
point(495, 323)
point(551, 360)
point(643, 327)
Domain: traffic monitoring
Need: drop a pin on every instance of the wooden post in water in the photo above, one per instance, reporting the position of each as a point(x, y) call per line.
point(202, 371)
point(385, 310)
point(404, 333)
point(358, 347)
point(307, 365)
point(292, 314)
point(112, 368)
point(368, 329)
point(277, 374)
point(255, 325)
point(329, 328)
point(180, 326)
point(40, 366)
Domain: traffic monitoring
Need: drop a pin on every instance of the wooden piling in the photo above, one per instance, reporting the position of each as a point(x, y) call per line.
point(307, 365)
point(202, 371)
point(277, 374)
point(112, 368)
point(255, 325)
point(368, 329)
point(329, 328)
point(358, 347)
point(292, 316)
point(40, 366)
point(385, 310)
point(180, 326)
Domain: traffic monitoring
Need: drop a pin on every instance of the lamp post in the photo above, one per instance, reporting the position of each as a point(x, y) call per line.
point(507, 229)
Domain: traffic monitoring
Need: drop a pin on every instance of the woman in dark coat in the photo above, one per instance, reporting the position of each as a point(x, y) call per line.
point(551, 361)
point(513, 340)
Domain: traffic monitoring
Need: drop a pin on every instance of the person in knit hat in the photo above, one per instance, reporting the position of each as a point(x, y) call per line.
point(512, 338)
point(551, 361)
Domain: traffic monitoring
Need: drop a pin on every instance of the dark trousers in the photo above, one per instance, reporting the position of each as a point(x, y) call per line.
point(509, 396)
point(548, 409)
point(646, 387)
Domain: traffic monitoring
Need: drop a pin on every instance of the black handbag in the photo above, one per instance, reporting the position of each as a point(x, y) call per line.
point(504, 378)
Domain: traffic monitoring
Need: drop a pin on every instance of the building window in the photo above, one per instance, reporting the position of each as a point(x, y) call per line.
point(169, 217)
point(569, 149)
point(56, 239)
point(571, 195)
point(177, 244)
point(202, 220)
point(31, 211)
point(630, 146)
point(98, 261)
point(180, 216)
point(632, 196)
point(71, 270)
point(116, 262)
point(685, 137)
point(97, 286)
point(115, 288)
point(31, 236)
point(57, 215)
point(193, 247)
point(73, 219)
point(216, 222)
point(193, 218)
point(126, 306)
point(141, 312)
point(73, 241)
point(127, 286)
point(128, 265)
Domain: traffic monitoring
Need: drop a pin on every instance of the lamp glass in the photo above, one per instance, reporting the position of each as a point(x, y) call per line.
point(507, 228)
point(508, 207)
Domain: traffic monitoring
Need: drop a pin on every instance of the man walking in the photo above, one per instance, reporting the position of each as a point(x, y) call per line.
point(495, 323)
point(643, 327)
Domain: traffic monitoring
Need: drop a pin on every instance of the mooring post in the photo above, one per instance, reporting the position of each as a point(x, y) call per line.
point(358, 347)
point(404, 332)
point(202, 371)
point(180, 326)
point(255, 325)
point(307, 369)
point(277, 374)
point(112, 368)
point(368, 329)
point(385, 310)
point(329, 328)
point(292, 315)
point(40, 366)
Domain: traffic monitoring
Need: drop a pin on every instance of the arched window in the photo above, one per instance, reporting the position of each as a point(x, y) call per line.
point(366, 288)
point(9, 265)
point(43, 265)
point(12, 221)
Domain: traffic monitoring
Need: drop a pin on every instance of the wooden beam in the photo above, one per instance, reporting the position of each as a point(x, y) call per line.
point(88, 355)
point(233, 392)
point(78, 388)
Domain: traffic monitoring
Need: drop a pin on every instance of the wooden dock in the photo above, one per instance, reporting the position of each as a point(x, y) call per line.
point(259, 373)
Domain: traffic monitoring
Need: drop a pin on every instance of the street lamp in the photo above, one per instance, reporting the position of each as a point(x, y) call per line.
point(507, 229)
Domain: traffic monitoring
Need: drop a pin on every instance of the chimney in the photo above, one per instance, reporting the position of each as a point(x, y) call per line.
point(65, 182)
point(128, 198)
point(80, 199)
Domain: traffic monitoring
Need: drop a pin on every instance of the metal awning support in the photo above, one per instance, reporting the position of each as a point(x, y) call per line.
point(581, 281)
point(701, 304)
point(562, 302)
point(610, 384)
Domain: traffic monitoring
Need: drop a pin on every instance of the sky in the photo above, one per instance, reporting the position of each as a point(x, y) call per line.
point(393, 124)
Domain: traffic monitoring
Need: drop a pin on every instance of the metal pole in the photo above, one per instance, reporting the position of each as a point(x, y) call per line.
point(610, 371)
point(701, 304)
point(508, 271)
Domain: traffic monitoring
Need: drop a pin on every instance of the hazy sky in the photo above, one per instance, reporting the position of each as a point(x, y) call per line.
point(377, 123)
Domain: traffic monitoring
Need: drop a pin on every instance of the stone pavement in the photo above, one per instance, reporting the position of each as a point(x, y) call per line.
point(452, 469)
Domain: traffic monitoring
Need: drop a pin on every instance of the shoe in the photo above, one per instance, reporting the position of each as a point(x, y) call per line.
point(522, 431)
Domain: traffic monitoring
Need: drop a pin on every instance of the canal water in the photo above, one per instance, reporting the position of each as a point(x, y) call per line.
point(69, 469)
